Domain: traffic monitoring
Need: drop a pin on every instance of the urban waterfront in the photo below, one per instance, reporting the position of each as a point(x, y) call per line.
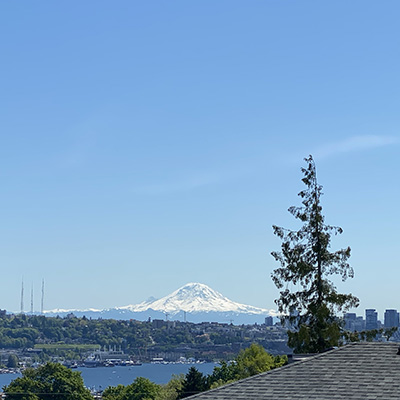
point(102, 377)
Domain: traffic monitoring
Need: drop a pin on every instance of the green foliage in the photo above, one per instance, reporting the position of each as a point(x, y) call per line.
point(225, 373)
point(113, 392)
point(255, 360)
point(56, 335)
point(12, 361)
point(139, 389)
point(389, 332)
point(249, 362)
point(48, 382)
point(368, 336)
point(171, 390)
point(306, 263)
point(194, 382)
point(142, 388)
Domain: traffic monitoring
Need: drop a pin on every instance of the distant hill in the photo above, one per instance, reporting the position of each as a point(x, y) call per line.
point(194, 301)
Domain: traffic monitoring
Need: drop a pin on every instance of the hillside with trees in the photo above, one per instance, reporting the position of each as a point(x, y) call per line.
point(72, 337)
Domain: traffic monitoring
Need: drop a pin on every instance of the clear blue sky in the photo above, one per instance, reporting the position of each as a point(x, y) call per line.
point(147, 144)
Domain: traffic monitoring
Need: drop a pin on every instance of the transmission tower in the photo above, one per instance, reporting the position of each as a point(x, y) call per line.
point(42, 300)
point(32, 299)
point(22, 296)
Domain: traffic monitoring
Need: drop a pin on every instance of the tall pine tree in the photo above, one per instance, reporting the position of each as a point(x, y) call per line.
point(310, 310)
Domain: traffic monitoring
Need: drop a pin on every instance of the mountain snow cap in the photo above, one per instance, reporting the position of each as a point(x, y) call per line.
point(194, 298)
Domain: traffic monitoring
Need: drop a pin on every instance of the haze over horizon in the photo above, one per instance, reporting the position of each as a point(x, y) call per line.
point(147, 145)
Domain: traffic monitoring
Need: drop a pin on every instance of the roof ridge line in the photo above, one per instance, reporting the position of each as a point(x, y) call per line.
point(271, 371)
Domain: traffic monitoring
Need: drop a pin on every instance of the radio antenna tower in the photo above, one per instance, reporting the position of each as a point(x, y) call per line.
point(41, 303)
point(22, 296)
point(32, 299)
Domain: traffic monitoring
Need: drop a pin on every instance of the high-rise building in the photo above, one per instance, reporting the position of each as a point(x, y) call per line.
point(371, 319)
point(391, 319)
point(353, 323)
point(359, 324)
point(349, 319)
point(269, 321)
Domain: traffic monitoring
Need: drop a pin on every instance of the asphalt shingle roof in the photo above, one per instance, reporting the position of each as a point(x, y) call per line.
point(358, 371)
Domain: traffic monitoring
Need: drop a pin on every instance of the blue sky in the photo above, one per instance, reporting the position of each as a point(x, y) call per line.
point(145, 145)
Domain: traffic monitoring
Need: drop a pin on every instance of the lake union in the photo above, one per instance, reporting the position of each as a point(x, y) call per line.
point(102, 377)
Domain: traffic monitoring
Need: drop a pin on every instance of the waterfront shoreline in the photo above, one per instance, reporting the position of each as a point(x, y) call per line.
point(102, 377)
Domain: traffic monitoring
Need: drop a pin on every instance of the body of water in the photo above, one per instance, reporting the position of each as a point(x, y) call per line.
point(102, 377)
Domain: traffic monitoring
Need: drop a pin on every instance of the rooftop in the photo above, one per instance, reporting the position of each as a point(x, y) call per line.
point(359, 371)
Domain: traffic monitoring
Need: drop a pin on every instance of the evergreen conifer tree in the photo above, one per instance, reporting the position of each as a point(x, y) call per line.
point(310, 310)
point(195, 382)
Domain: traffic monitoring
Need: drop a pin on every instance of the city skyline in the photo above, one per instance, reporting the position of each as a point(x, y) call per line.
point(149, 145)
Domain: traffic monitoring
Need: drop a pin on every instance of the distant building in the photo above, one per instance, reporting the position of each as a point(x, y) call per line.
point(158, 323)
point(359, 324)
point(371, 319)
point(353, 323)
point(391, 319)
point(269, 321)
point(349, 320)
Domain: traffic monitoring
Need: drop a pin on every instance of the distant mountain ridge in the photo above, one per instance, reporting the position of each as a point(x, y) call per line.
point(195, 302)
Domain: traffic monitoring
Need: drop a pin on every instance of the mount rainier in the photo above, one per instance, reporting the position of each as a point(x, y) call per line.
point(193, 302)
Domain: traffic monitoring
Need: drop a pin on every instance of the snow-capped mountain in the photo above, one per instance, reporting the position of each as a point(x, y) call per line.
point(194, 302)
point(195, 298)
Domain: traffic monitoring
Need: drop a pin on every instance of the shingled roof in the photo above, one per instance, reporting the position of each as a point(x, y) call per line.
point(361, 371)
